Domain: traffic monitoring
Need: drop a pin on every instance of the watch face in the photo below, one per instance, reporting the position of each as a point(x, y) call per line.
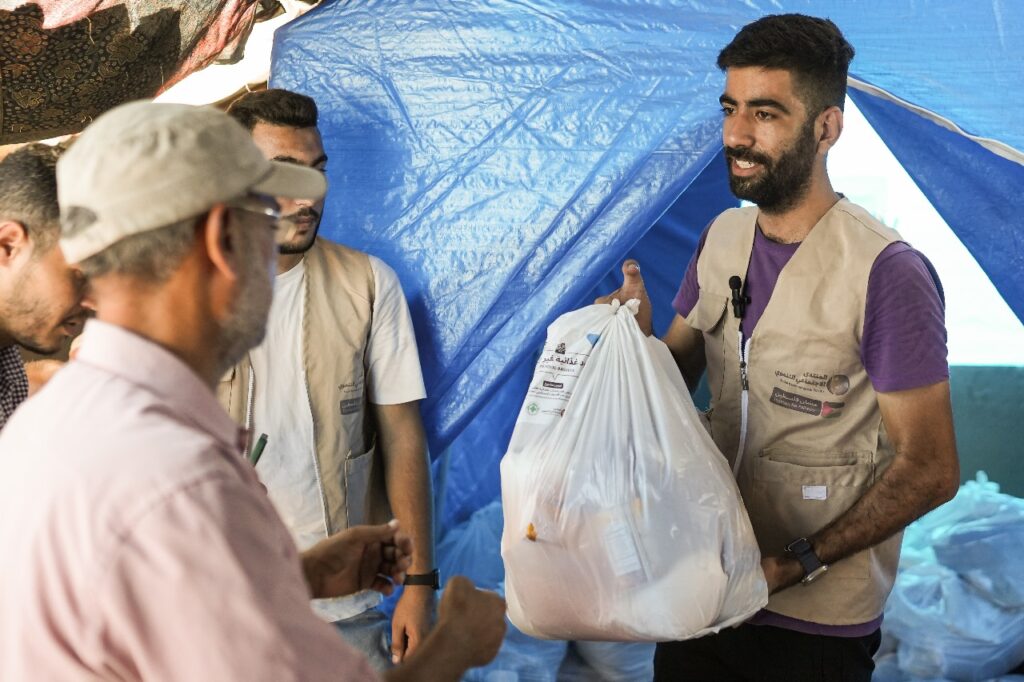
point(816, 573)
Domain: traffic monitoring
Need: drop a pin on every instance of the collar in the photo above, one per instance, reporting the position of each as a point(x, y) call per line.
point(135, 358)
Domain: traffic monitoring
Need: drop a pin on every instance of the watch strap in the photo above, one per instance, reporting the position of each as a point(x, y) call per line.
point(432, 579)
point(803, 551)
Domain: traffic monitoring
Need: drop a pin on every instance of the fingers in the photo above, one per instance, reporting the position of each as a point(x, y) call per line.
point(369, 564)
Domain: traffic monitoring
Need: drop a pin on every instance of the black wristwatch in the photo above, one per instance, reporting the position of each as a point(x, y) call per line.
point(804, 553)
point(432, 579)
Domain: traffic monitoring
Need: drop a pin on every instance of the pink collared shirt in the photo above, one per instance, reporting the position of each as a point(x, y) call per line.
point(137, 544)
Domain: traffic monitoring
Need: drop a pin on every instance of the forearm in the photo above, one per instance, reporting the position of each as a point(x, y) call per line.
point(687, 348)
point(407, 476)
point(903, 494)
point(898, 498)
point(410, 496)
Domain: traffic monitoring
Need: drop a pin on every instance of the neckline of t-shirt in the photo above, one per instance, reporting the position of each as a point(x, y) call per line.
point(772, 244)
point(285, 278)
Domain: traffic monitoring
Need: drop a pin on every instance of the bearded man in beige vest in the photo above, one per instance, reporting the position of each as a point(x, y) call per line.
point(335, 386)
point(823, 339)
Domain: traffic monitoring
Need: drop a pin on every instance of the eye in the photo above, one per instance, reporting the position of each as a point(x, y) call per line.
point(764, 116)
point(728, 110)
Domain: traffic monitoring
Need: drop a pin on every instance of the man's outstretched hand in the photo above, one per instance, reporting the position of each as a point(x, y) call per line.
point(633, 287)
point(358, 558)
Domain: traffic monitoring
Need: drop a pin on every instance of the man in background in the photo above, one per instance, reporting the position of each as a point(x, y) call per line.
point(40, 296)
point(336, 387)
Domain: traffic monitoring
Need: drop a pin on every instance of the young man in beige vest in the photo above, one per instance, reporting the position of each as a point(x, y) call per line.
point(824, 343)
point(336, 387)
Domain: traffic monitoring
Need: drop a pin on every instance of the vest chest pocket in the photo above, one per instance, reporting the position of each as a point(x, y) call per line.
point(798, 492)
point(708, 313)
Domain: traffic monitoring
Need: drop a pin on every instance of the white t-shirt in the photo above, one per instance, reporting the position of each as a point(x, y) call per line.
point(281, 404)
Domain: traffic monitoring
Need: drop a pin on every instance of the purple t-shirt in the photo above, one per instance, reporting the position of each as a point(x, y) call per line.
point(903, 345)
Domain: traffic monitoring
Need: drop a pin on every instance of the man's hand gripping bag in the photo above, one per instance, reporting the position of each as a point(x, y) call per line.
point(622, 519)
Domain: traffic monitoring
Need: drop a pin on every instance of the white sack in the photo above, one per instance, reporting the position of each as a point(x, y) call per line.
point(622, 519)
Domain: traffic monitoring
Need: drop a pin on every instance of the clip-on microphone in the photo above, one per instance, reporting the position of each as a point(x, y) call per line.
point(740, 301)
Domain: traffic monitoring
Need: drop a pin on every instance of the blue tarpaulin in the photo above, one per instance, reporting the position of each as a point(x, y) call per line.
point(504, 157)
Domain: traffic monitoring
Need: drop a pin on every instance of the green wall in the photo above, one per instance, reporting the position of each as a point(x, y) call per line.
point(988, 413)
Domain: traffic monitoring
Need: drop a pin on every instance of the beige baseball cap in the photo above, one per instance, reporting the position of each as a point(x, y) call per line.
point(144, 165)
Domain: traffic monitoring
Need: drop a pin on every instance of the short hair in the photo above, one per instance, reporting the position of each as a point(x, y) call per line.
point(275, 106)
point(28, 193)
point(812, 49)
point(151, 256)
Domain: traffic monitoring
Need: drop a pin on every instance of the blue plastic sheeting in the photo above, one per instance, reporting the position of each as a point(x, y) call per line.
point(502, 157)
point(505, 156)
point(974, 193)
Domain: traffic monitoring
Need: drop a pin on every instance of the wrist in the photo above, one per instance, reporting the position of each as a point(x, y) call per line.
point(430, 579)
point(811, 567)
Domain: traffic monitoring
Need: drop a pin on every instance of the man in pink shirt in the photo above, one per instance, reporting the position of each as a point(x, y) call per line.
point(138, 542)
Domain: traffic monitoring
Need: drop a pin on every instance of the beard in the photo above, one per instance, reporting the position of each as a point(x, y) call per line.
point(783, 181)
point(303, 243)
point(34, 321)
point(246, 326)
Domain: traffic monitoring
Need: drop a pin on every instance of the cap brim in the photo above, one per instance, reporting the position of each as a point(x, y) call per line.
point(292, 181)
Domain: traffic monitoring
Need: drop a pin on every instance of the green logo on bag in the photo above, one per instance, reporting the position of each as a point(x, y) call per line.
point(532, 409)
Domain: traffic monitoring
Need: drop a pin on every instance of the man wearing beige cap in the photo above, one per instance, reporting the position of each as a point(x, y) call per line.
point(138, 542)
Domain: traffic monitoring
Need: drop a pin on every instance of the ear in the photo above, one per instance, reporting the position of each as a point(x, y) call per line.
point(219, 242)
point(831, 128)
point(14, 241)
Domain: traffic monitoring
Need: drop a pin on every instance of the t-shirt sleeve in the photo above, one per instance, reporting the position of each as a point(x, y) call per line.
point(689, 290)
point(393, 360)
point(903, 345)
point(206, 584)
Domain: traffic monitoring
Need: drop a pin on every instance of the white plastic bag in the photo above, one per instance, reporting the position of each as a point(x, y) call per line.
point(622, 519)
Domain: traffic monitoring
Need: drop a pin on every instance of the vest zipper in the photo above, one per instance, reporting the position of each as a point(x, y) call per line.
point(743, 347)
point(250, 398)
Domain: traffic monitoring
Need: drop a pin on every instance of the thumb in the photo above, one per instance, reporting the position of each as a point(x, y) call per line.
point(382, 533)
point(397, 642)
point(632, 281)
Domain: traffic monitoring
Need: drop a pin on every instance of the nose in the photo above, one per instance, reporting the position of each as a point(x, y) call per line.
point(738, 131)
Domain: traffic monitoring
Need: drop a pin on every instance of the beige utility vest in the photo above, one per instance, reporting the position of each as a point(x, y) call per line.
point(339, 295)
point(814, 440)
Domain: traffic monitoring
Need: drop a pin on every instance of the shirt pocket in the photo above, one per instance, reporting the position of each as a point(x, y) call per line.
point(799, 492)
point(358, 479)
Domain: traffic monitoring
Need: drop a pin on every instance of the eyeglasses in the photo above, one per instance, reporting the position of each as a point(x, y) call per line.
point(256, 204)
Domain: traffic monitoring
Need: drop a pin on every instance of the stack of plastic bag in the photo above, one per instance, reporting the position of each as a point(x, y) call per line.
point(622, 519)
point(957, 609)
